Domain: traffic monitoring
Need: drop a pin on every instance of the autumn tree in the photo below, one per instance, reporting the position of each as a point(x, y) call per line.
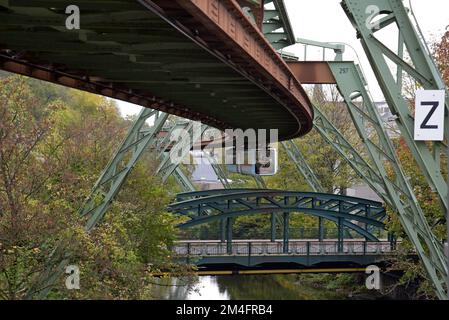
point(54, 142)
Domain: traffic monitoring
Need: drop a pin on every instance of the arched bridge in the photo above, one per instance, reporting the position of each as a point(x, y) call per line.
point(359, 225)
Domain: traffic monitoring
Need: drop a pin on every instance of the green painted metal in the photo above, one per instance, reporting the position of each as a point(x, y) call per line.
point(321, 229)
point(273, 227)
point(397, 192)
point(136, 142)
point(140, 55)
point(183, 180)
point(338, 48)
point(424, 72)
point(120, 165)
point(193, 132)
point(286, 235)
point(229, 235)
point(268, 255)
point(260, 182)
point(276, 24)
point(220, 172)
point(336, 139)
point(205, 207)
point(301, 165)
point(421, 69)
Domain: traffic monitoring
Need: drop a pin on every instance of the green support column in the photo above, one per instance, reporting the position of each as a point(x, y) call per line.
point(341, 234)
point(183, 180)
point(223, 230)
point(398, 192)
point(180, 150)
point(286, 235)
point(321, 229)
point(220, 172)
point(421, 68)
point(229, 235)
point(273, 227)
point(116, 172)
point(302, 166)
point(137, 141)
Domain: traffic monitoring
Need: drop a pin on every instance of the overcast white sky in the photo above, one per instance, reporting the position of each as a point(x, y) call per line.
point(325, 20)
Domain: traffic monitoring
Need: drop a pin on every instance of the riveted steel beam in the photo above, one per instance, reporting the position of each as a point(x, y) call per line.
point(119, 167)
point(421, 69)
point(373, 133)
point(239, 202)
point(302, 166)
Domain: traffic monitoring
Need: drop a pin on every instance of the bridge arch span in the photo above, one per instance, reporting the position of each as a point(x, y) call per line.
point(360, 215)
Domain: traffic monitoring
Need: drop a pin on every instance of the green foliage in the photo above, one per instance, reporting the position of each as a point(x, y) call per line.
point(54, 142)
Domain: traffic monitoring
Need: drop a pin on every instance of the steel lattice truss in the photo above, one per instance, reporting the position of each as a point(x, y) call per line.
point(276, 24)
point(356, 214)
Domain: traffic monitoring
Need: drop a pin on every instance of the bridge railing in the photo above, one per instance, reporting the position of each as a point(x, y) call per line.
point(296, 247)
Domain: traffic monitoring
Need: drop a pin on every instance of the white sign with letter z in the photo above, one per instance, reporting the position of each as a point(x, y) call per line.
point(429, 115)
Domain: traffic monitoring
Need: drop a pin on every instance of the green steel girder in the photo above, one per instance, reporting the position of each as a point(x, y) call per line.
point(301, 165)
point(276, 24)
point(136, 142)
point(120, 165)
point(260, 182)
point(422, 69)
point(338, 48)
point(205, 207)
point(336, 139)
point(193, 132)
point(180, 197)
point(219, 170)
point(184, 181)
point(211, 254)
point(398, 191)
point(127, 48)
point(134, 145)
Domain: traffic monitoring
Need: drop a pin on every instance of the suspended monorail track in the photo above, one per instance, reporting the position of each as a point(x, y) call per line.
point(201, 60)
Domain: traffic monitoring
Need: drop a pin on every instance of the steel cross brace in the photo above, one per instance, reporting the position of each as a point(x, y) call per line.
point(133, 146)
point(109, 184)
point(422, 69)
point(192, 133)
point(120, 165)
point(399, 192)
point(218, 169)
point(302, 166)
point(183, 180)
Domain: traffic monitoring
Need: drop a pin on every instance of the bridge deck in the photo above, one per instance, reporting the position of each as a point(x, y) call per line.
point(254, 253)
point(202, 60)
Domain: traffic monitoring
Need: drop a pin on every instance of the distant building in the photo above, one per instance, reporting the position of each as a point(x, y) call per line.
point(363, 191)
point(204, 175)
point(388, 119)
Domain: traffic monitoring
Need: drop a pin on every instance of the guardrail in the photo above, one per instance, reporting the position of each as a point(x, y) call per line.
point(303, 248)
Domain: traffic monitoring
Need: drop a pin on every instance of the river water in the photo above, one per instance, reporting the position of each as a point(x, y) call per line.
point(260, 287)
